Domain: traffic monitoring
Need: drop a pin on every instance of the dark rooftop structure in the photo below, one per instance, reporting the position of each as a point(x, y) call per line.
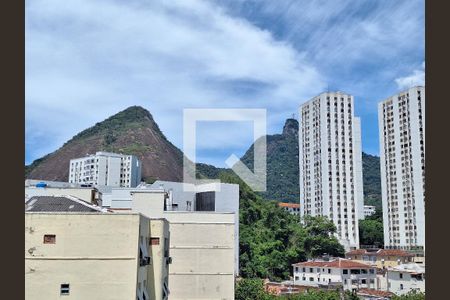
point(59, 204)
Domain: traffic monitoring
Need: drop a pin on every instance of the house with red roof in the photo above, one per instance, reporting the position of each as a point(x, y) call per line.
point(382, 258)
point(347, 273)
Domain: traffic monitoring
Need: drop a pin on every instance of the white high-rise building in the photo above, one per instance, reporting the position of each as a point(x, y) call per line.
point(331, 163)
point(401, 120)
point(106, 169)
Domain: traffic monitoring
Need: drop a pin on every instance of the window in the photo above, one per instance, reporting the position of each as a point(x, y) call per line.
point(401, 275)
point(311, 278)
point(345, 271)
point(304, 269)
point(311, 270)
point(297, 278)
point(401, 286)
point(65, 289)
point(329, 271)
point(49, 239)
point(154, 241)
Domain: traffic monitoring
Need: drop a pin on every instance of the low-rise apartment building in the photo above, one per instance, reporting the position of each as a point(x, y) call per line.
point(382, 258)
point(369, 210)
point(292, 208)
point(405, 278)
point(106, 169)
point(75, 249)
point(343, 272)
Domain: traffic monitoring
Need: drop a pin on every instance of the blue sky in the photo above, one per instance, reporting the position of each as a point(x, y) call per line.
point(86, 60)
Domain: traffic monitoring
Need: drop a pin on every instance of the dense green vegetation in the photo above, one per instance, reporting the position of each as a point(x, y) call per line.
point(282, 164)
point(371, 230)
point(371, 180)
point(252, 289)
point(412, 295)
point(132, 117)
point(271, 239)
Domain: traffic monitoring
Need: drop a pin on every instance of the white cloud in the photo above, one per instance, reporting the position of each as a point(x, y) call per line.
point(416, 78)
point(86, 60)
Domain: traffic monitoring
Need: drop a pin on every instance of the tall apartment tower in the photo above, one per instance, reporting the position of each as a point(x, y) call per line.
point(106, 169)
point(401, 120)
point(331, 163)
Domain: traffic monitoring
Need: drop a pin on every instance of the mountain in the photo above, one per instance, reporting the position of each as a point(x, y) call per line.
point(283, 172)
point(131, 131)
point(134, 131)
point(282, 164)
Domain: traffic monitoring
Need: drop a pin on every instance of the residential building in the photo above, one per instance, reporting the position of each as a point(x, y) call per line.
point(369, 210)
point(331, 163)
point(76, 249)
point(202, 245)
point(405, 278)
point(212, 197)
point(336, 272)
point(401, 120)
point(292, 208)
point(382, 258)
point(106, 169)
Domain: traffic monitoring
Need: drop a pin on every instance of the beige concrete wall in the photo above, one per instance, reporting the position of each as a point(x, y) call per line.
point(95, 253)
point(86, 194)
point(158, 271)
point(202, 251)
point(149, 203)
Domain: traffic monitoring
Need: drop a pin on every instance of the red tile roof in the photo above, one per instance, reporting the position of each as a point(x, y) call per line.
point(372, 292)
point(339, 263)
point(381, 252)
point(290, 205)
point(356, 252)
point(393, 252)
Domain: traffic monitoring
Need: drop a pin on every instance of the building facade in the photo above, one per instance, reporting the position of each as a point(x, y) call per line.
point(182, 197)
point(369, 210)
point(106, 169)
point(401, 120)
point(292, 208)
point(338, 272)
point(405, 278)
point(331, 163)
point(94, 255)
point(382, 258)
point(204, 258)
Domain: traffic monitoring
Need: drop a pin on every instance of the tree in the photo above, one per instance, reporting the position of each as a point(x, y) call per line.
point(319, 237)
point(371, 232)
point(250, 289)
point(412, 295)
point(271, 239)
